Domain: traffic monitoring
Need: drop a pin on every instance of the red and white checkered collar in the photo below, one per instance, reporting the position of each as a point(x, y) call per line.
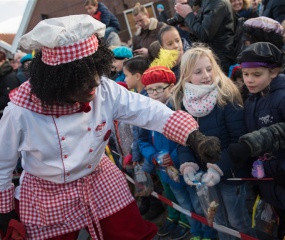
point(74, 51)
point(21, 97)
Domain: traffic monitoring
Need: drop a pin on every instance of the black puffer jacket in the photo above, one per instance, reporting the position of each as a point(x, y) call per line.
point(8, 81)
point(214, 25)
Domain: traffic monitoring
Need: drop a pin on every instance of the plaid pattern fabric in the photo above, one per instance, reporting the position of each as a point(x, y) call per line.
point(179, 126)
point(47, 207)
point(7, 200)
point(21, 97)
point(71, 52)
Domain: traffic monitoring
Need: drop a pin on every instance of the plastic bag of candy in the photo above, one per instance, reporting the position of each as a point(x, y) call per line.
point(208, 199)
point(143, 182)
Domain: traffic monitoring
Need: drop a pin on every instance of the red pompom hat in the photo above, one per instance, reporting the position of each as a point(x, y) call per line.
point(158, 74)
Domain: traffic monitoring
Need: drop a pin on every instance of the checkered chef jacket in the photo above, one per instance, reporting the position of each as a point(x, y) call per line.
point(66, 171)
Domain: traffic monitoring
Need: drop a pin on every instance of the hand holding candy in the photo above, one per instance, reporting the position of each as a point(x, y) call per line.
point(213, 175)
point(189, 172)
point(163, 159)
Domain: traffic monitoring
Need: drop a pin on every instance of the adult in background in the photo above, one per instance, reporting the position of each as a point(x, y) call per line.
point(148, 29)
point(274, 9)
point(243, 9)
point(213, 24)
point(8, 81)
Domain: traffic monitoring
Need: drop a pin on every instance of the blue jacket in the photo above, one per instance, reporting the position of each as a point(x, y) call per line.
point(262, 110)
point(120, 77)
point(150, 143)
point(107, 17)
point(227, 124)
point(136, 154)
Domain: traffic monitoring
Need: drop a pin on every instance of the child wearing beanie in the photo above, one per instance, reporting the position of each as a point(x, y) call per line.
point(261, 65)
point(159, 81)
point(121, 54)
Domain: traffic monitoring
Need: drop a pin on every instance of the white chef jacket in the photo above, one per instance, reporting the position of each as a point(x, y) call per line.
point(65, 148)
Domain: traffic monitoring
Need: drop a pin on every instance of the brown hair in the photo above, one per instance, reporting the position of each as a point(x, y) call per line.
point(139, 9)
point(91, 2)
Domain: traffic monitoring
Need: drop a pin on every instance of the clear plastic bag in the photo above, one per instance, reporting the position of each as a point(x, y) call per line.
point(143, 182)
point(265, 219)
point(208, 199)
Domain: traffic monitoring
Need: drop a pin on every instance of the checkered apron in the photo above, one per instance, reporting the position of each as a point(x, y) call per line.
point(50, 209)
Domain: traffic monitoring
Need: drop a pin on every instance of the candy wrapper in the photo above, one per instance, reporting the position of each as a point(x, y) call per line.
point(208, 199)
point(173, 173)
point(143, 182)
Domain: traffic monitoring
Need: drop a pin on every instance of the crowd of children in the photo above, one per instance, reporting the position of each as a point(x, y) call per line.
point(217, 103)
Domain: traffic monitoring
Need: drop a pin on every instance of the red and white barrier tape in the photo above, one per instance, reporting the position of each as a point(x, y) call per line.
point(197, 217)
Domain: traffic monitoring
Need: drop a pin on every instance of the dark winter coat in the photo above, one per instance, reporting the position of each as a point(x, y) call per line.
point(267, 139)
point(214, 25)
point(227, 124)
point(274, 9)
point(104, 15)
point(145, 37)
point(8, 81)
point(263, 110)
point(162, 17)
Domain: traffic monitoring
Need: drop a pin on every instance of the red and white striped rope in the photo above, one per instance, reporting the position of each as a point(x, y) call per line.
point(198, 217)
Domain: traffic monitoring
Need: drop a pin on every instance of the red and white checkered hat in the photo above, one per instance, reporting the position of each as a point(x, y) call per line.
point(64, 39)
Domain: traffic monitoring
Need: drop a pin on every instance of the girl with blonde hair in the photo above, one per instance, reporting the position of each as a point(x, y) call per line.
point(227, 90)
point(206, 93)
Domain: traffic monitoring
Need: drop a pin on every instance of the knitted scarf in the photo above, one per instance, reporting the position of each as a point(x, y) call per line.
point(199, 100)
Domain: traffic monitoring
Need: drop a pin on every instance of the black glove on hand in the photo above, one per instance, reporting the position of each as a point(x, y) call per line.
point(5, 219)
point(279, 179)
point(239, 153)
point(207, 147)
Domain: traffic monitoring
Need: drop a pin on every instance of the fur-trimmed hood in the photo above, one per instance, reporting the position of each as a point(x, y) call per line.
point(152, 25)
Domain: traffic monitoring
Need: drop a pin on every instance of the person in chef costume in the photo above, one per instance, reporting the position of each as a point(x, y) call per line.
point(60, 122)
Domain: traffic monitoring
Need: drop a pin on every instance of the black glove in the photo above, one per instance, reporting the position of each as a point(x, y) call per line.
point(207, 147)
point(239, 153)
point(279, 179)
point(5, 219)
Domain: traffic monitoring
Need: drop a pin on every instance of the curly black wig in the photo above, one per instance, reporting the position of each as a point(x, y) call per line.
point(54, 84)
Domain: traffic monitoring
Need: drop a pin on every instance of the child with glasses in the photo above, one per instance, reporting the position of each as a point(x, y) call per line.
point(159, 81)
